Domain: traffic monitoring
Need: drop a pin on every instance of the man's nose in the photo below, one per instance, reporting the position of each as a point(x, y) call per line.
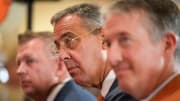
point(115, 54)
point(21, 69)
point(64, 53)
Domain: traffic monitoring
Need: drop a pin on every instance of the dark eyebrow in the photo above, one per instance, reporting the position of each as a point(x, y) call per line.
point(122, 33)
point(67, 34)
point(18, 60)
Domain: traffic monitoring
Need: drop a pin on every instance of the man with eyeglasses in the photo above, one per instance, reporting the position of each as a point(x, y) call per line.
point(77, 34)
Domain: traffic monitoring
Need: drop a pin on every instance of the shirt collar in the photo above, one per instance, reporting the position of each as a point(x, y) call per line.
point(107, 83)
point(56, 89)
point(161, 87)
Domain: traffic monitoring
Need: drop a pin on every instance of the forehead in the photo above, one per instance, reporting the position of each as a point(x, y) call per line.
point(70, 23)
point(131, 22)
point(31, 47)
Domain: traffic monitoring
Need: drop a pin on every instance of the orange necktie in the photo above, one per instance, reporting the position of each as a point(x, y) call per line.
point(100, 97)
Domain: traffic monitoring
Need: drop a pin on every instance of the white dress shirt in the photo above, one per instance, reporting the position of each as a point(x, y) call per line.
point(107, 83)
point(158, 89)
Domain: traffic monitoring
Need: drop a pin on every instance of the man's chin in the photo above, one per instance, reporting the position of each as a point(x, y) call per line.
point(28, 91)
point(81, 82)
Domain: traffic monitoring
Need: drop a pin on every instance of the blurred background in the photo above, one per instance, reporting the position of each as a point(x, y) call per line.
point(18, 16)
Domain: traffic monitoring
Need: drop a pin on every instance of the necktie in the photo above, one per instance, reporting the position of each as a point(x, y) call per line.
point(100, 97)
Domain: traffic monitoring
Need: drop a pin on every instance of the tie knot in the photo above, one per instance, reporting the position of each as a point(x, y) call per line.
point(100, 97)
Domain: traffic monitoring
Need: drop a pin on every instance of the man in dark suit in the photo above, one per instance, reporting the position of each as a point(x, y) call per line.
point(77, 33)
point(42, 76)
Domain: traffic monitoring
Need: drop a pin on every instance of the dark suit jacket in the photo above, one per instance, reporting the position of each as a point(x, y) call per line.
point(73, 92)
point(115, 94)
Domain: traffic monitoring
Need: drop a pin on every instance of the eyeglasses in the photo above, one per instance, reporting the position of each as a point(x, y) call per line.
point(71, 40)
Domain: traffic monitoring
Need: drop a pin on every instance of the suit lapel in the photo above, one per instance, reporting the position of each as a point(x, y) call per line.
point(64, 91)
point(113, 86)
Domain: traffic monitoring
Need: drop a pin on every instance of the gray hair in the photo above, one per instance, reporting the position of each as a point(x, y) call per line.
point(46, 37)
point(89, 13)
point(164, 16)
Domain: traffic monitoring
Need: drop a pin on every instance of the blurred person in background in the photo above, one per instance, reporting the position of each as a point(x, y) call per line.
point(42, 76)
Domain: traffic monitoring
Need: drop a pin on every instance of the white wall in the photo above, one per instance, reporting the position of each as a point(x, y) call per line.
point(43, 11)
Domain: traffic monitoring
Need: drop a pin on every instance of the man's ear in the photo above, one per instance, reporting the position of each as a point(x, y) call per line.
point(170, 42)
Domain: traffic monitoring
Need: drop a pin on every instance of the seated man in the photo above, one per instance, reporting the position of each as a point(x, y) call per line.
point(141, 37)
point(77, 33)
point(41, 75)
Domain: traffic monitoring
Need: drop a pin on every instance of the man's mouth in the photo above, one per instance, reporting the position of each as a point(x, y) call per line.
point(121, 69)
point(25, 83)
point(72, 66)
